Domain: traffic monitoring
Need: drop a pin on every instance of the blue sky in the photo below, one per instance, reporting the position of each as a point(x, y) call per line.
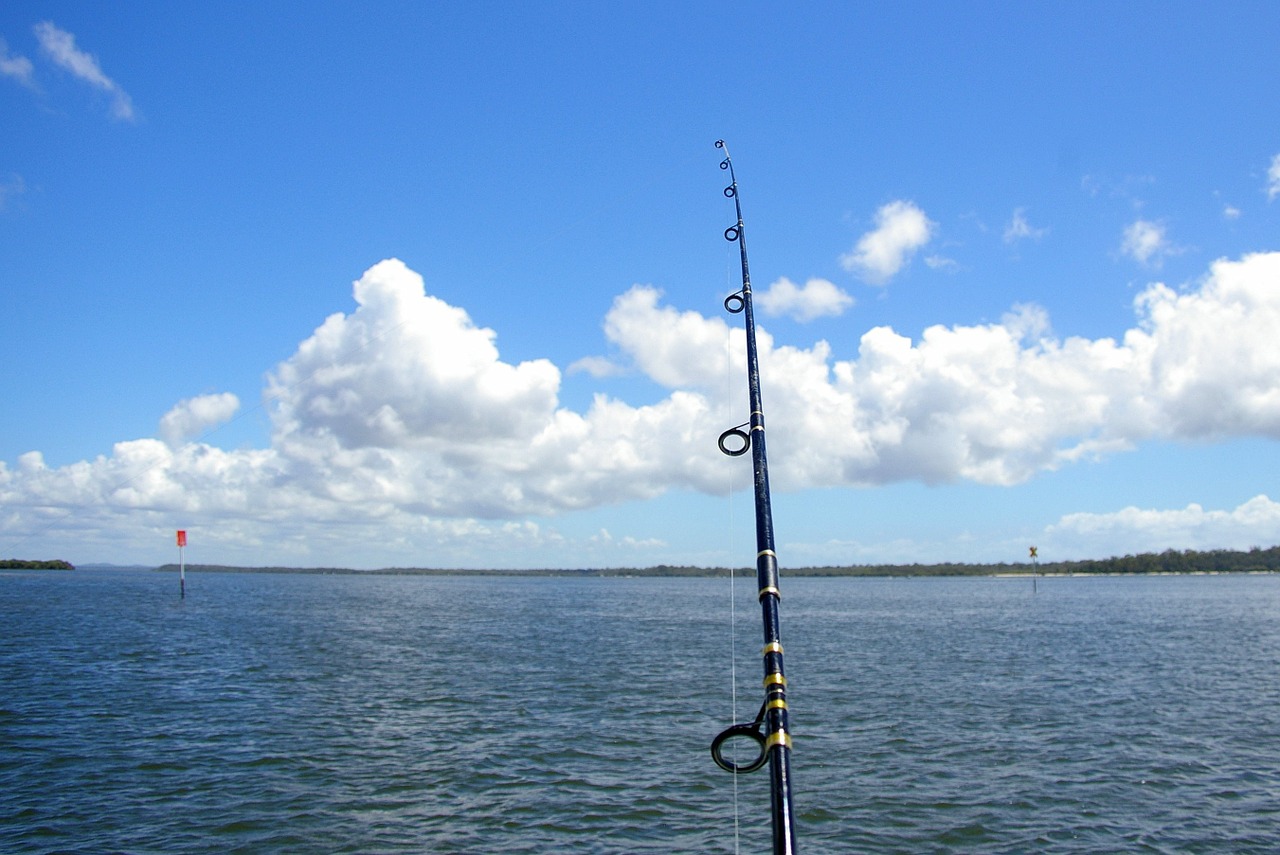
point(411, 284)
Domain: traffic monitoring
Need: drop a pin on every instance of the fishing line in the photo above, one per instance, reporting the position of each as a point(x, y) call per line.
point(733, 550)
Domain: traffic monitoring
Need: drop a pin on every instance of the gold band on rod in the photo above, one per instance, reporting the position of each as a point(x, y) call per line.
point(780, 737)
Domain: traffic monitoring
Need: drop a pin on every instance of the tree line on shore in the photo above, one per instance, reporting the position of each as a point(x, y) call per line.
point(21, 564)
point(1255, 560)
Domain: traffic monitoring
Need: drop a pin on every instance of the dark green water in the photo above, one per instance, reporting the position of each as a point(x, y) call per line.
point(416, 714)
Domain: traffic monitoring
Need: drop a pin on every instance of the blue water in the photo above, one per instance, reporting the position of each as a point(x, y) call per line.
point(519, 715)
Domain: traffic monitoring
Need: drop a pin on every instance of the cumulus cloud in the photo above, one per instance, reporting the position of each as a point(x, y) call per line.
point(993, 403)
point(1019, 229)
point(1207, 357)
point(17, 68)
point(409, 376)
point(1132, 529)
point(1273, 179)
point(407, 370)
point(406, 401)
point(399, 423)
point(901, 229)
point(815, 299)
point(194, 416)
point(60, 46)
point(676, 349)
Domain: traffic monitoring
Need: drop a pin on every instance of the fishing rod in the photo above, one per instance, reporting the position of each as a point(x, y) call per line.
point(774, 744)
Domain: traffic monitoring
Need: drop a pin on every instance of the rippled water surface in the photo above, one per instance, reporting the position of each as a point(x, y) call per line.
point(310, 713)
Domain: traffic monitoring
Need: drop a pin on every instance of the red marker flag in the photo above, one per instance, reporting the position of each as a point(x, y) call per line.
point(182, 537)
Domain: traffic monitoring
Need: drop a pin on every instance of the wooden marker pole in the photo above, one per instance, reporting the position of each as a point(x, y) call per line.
point(182, 563)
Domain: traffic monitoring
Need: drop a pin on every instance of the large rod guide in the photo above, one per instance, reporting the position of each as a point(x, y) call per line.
point(774, 744)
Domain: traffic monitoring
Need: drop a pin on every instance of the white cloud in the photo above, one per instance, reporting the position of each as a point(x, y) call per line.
point(815, 299)
point(1020, 229)
point(60, 46)
point(407, 370)
point(18, 68)
point(1273, 179)
point(398, 423)
point(1230, 212)
point(1207, 355)
point(605, 538)
point(1147, 243)
point(1134, 530)
point(194, 416)
point(405, 401)
point(675, 349)
point(901, 229)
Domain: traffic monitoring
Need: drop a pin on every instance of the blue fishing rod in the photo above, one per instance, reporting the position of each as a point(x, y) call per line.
point(770, 731)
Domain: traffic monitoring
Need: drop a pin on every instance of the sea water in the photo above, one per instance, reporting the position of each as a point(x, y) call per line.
point(314, 713)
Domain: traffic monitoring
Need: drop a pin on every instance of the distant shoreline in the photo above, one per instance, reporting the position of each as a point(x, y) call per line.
point(1170, 562)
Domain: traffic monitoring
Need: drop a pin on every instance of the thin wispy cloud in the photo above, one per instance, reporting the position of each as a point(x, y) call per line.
point(942, 263)
point(1131, 189)
point(60, 46)
point(901, 229)
point(17, 68)
point(1019, 229)
point(595, 366)
point(1273, 179)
